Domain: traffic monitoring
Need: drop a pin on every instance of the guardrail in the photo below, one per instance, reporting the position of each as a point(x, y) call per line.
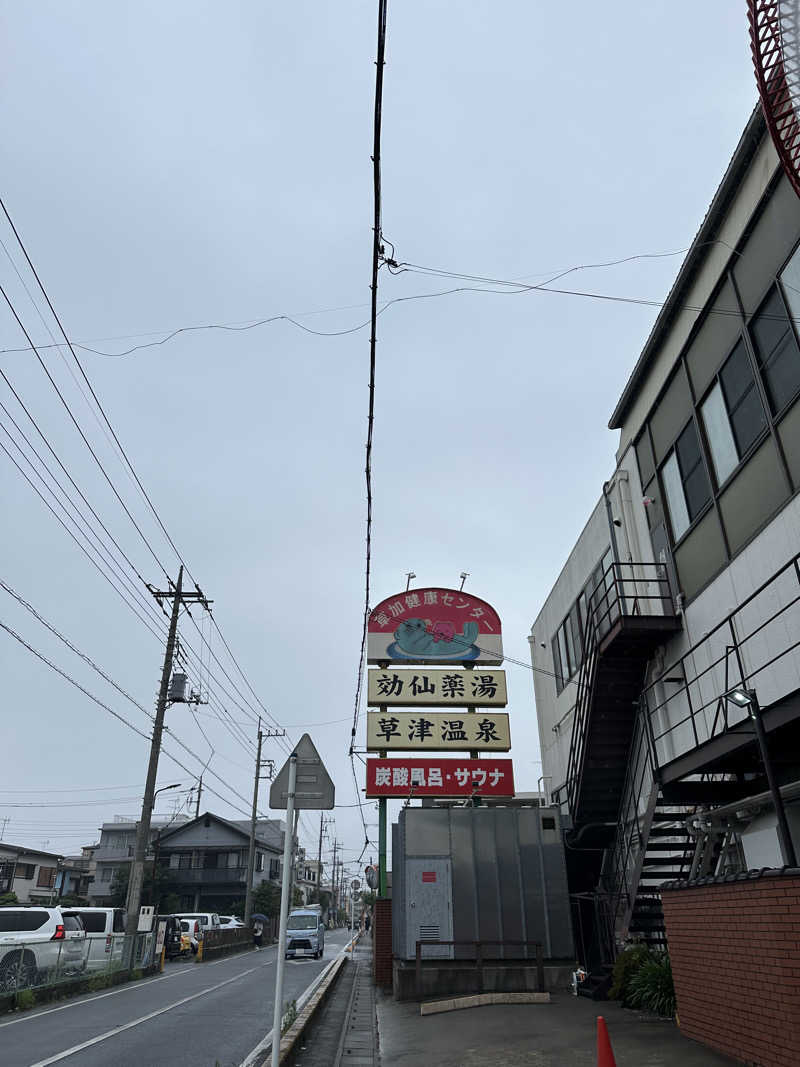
point(482, 958)
point(43, 963)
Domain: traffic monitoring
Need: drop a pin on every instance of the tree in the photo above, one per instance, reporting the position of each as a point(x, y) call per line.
point(267, 899)
point(72, 900)
point(297, 897)
point(155, 890)
point(7, 899)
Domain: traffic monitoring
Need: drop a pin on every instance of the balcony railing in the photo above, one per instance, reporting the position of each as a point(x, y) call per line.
point(750, 647)
point(206, 875)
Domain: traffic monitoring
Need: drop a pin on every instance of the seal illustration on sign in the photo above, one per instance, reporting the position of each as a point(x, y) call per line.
point(417, 639)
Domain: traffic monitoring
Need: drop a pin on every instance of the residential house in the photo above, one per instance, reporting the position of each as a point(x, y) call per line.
point(29, 872)
point(683, 589)
point(114, 852)
point(77, 873)
point(307, 877)
point(206, 859)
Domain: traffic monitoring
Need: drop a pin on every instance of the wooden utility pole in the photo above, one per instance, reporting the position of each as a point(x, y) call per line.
point(136, 879)
point(251, 855)
point(199, 794)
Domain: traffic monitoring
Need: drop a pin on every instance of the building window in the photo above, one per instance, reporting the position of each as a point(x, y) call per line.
point(184, 860)
point(776, 348)
point(47, 877)
point(260, 862)
point(25, 870)
point(274, 870)
point(733, 414)
point(685, 482)
point(105, 874)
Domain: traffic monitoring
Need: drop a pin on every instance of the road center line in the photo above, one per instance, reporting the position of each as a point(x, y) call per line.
point(136, 1022)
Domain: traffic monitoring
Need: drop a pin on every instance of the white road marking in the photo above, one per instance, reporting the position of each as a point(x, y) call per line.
point(136, 1022)
point(129, 987)
point(302, 1000)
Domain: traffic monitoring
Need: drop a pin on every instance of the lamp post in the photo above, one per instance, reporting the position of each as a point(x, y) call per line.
point(157, 847)
point(747, 698)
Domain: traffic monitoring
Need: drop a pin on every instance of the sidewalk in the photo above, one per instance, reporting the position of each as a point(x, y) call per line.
point(559, 1034)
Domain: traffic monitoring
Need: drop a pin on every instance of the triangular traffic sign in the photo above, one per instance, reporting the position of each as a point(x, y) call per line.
point(314, 790)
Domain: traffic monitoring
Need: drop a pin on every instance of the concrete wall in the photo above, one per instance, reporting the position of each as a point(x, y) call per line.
point(735, 951)
point(752, 188)
point(554, 711)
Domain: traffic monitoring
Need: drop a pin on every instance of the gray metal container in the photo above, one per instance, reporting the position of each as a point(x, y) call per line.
point(490, 874)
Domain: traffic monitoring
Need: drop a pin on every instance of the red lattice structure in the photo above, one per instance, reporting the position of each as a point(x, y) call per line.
point(774, 43)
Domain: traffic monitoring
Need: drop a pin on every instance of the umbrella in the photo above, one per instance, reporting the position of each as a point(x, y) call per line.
point(258, 917)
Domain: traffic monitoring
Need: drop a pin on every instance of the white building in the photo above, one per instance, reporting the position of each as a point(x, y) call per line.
point(685, 582)
point(29, 873)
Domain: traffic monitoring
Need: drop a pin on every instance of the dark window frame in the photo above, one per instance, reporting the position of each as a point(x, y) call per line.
point(759, 438)
point(693, 420)
point(775, 289)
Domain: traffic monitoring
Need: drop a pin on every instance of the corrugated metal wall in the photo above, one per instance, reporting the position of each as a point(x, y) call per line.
point(508, 874)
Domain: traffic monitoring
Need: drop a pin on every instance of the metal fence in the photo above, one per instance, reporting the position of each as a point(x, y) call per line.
point(39, 963)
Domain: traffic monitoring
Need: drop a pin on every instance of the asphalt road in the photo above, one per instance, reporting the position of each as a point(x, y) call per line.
point(203, 1015)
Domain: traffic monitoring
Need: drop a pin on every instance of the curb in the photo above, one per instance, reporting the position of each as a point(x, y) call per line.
point(436, 1007)
point(295, 1032)
point(319, 990)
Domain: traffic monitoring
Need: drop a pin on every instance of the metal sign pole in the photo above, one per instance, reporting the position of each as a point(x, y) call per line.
point(277, 1018)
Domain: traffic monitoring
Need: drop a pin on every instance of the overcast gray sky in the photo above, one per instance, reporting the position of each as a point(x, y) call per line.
point(176, 164)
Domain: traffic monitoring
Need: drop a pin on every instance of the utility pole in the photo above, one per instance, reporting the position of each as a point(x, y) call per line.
point(199, 794)
point(333, 879)
point(143, 827)
point(251, 855)
point(319, 857)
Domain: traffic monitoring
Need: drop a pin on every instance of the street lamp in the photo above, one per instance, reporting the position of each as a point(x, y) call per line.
point(747, 698)
point(157, 848)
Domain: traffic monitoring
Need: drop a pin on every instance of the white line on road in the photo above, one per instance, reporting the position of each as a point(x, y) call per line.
point(302, 1000)
point(136, 1022)
point(129, 987)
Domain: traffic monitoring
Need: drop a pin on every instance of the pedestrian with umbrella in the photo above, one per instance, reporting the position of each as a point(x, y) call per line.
point(258, 928)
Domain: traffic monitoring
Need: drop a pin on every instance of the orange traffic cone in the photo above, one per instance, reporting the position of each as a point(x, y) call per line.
point(605, 1054)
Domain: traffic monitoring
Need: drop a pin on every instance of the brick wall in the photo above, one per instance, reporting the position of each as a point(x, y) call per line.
point(382, 943)
point(735, 951)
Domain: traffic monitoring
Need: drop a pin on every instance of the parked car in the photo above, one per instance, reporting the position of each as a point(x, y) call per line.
point(105, 930)
point(39, 942)
point(209, 920)
point(305, 933)
point(230, 922)
point(173, 936)
point(190, 934)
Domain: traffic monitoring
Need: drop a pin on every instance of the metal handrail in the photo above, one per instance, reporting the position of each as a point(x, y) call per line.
point(619, 603)
point(481, 958)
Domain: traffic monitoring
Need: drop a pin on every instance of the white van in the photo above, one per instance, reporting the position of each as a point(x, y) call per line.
point(105, 931)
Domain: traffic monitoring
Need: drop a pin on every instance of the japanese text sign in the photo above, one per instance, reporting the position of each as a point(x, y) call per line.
point(405, 730)
point(440, 778)
point(434, 625)
point(437, 688)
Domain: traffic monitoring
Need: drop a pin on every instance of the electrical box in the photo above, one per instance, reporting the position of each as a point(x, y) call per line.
point(178, 687)
point(429, 906)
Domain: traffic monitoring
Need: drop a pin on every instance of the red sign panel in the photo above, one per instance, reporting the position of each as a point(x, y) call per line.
point(429, 876)
point(434, 625)
point(440, 778)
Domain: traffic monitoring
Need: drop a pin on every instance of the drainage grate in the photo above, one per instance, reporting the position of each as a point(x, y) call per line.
point(358, 1045)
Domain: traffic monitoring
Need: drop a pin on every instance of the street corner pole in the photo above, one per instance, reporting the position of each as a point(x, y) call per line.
point(277, 1016)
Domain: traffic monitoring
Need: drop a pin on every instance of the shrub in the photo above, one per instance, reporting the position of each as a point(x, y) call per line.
point(627, 964)
point(651, 987)
point(289, 1016)
point(25, 999)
